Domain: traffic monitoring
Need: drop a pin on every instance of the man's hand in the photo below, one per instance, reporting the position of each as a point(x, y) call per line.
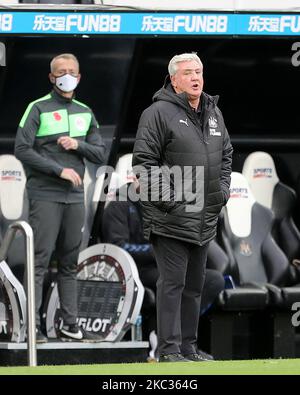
point(71, 175)
point(68, 143)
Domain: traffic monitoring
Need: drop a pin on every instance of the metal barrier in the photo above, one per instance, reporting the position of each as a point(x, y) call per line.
point(9, 236)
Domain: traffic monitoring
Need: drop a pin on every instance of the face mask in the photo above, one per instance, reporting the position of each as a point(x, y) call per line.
point(66, 83)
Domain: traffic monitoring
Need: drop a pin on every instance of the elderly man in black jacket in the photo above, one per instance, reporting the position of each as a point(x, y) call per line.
point(182, 156)
point(122, 225)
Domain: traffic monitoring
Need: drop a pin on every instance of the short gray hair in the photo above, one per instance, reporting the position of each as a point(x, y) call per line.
point(63, 56)
point(184, 57)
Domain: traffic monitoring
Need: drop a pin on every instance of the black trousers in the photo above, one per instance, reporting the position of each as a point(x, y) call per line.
point(181, 267)
point(57, 226)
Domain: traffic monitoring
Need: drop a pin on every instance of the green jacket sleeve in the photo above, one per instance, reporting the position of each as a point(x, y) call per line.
point(24, 144)
point(93, 148)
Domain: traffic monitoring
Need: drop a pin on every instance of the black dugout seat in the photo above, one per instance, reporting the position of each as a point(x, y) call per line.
point(216, 258)
point(260, 172)
point(254, 254)
point(245, 228)
point(13, 207)
point(91, 179)
point(256, 258)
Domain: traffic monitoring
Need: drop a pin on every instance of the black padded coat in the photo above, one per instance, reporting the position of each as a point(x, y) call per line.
point(170, 133)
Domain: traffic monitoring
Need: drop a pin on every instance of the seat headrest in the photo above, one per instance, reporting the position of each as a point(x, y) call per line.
point(124, 169)
point(12, 187)
point(112, 187)
point(260, 172)
point(239, 205)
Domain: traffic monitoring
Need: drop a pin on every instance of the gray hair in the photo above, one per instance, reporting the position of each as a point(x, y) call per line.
point(63, 56)
point(184, 57)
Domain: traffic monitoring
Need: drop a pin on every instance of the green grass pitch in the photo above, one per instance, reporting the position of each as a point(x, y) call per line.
point(256, 367)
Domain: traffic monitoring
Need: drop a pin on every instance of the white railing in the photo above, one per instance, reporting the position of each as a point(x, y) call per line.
point(26, 229)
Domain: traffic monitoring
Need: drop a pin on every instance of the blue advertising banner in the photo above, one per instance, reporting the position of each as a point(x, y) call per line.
point(148, 23)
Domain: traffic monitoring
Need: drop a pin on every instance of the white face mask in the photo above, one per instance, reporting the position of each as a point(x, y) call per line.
point(66, 83)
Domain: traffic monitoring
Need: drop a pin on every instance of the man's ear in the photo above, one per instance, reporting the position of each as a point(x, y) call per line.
point(173, 82)
point(78, 78)
point(51, 78)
